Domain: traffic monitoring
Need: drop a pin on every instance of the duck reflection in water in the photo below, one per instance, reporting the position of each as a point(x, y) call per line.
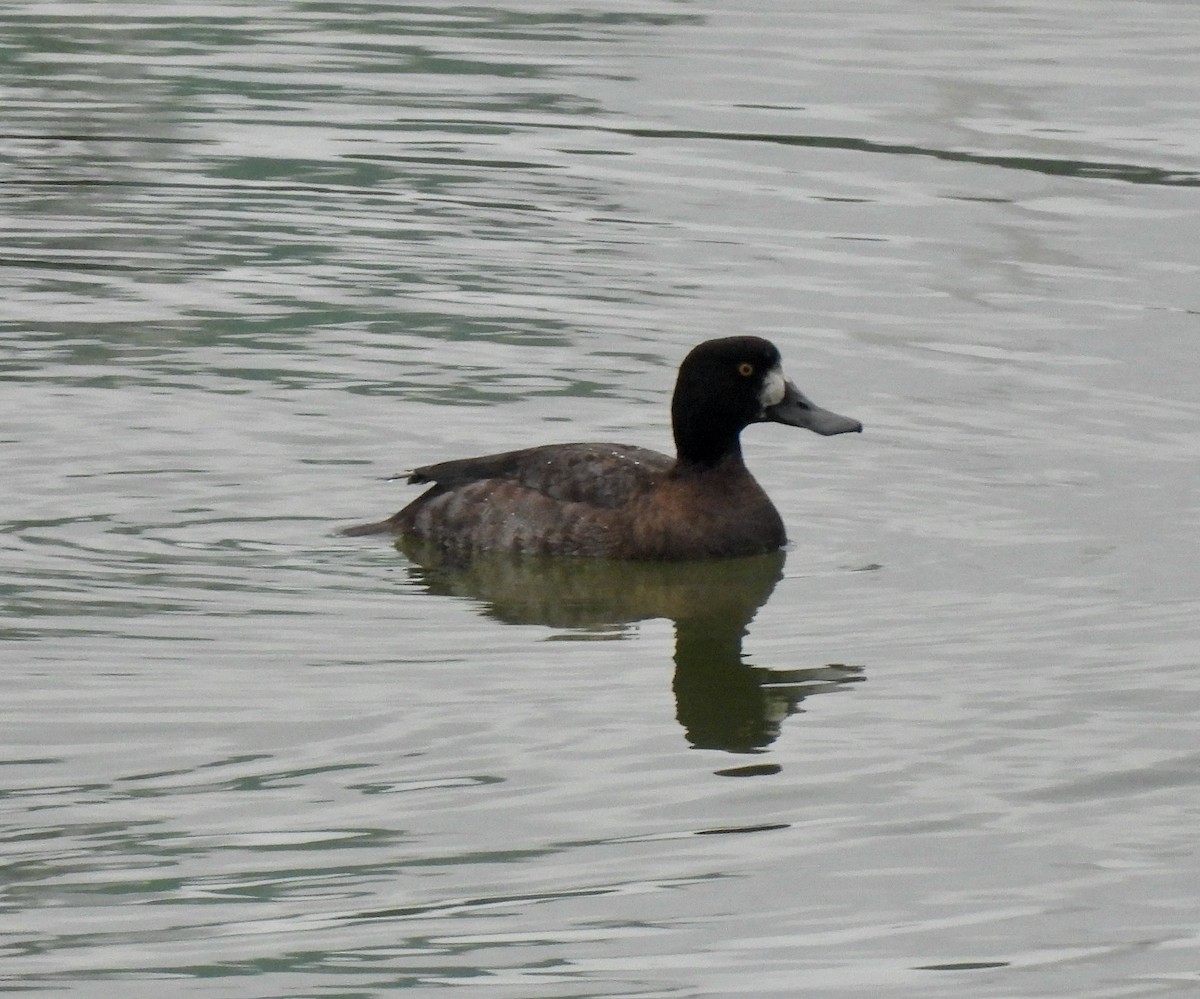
point(721, 702)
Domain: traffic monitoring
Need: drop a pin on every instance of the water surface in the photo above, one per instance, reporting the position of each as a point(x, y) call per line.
point(258, 258)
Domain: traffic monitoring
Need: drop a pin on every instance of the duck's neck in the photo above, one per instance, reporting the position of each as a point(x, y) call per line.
point(706, 429)
point(699, 452)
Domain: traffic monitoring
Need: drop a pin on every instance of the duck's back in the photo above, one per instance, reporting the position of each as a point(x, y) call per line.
point(601, 475)
point(599, 500)
point(562, 499)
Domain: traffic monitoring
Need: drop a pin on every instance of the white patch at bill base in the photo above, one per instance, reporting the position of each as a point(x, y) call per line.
point(773, 388)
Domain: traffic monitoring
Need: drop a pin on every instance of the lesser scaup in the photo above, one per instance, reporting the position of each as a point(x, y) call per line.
point(622, 502)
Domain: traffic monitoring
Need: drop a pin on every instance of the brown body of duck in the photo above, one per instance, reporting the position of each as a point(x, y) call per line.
point(622, 502)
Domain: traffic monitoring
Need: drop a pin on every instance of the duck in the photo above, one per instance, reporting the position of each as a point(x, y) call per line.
point(619, 501)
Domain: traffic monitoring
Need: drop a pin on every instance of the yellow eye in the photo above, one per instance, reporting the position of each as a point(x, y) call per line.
point(745, 369)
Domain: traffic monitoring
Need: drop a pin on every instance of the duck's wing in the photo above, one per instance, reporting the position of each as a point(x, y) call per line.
point(603, 475)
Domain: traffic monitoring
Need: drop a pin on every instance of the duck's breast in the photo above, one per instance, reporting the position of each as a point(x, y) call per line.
point(712, 514)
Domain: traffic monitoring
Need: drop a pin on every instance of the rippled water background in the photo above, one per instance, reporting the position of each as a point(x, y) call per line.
point(258, 256)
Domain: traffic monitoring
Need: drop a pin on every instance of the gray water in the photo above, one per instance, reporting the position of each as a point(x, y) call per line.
point(257, 257)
